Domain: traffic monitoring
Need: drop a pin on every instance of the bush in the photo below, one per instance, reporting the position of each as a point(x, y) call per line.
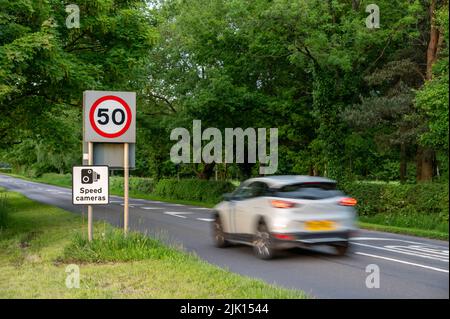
point(114, 246)
point(5, 170)
point(136, 184)
point(193, 189)
point(400, 199)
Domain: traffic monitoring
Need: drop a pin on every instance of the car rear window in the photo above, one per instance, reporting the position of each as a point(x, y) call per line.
point(312, 191)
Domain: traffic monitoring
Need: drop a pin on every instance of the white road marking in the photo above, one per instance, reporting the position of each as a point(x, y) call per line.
point(177, 214)
point(400, 251)
point(171, 204)
point(422, 251)
point(402, 262)
point(206, 219)
point(202, 208)
point(395, 239)
point(150, 207)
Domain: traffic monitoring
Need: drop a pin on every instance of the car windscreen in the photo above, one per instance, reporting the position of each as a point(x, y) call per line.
point(312, 191)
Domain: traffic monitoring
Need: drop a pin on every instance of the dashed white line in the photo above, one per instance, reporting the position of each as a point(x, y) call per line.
point(150, 207)
point(402, 262)
point(177, 214)
point(206, 219)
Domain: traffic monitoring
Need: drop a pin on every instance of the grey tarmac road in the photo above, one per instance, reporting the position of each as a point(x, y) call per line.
point(410, 267)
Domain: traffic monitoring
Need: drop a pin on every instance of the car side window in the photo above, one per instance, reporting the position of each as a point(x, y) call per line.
point(259, 189)
point(243, 192)
point(254, 189)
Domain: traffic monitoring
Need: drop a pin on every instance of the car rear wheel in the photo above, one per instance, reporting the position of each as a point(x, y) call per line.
point(262, 243)
point(218, 233)
point(341, 249)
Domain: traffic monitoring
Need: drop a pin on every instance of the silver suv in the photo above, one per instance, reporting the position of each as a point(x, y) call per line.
point(279, 212)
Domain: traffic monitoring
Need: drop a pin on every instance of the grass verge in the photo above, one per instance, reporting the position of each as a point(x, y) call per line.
point(40, 241)
point(406, 231)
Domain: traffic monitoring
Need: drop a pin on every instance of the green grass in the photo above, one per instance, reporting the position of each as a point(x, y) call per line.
point(424, 225)
point(3, 210)
point(406, 231)
point(39, 241)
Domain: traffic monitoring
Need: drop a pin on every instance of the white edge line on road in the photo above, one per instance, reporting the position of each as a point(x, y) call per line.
point(399, 251)
point(206, 219)
point(402, 262)
point(150, 207)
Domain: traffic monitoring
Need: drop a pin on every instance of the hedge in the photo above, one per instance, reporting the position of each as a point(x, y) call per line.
point(136, 184)
point(388, 198)
point(192, 189)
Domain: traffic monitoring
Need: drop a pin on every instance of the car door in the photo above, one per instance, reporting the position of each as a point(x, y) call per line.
point(247, 209)
point(240, 194)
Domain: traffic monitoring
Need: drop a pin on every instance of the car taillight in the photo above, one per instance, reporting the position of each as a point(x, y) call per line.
point(348, 201)
point(282, 204)
point(283, 237)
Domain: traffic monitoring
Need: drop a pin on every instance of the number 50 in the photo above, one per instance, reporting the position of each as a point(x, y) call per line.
point(117, 116)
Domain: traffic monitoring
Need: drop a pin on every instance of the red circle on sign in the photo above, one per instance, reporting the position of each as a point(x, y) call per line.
point(94, 107)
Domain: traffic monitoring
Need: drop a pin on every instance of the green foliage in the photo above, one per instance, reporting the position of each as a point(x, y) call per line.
point(433, 97)
point(136, 184)
point(4, 210)
point(349, 102)
point(114, 246)
point(45, 67)
point(191, 189)
point(393, 203)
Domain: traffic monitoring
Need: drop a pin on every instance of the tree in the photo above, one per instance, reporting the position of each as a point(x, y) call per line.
point(45, 66)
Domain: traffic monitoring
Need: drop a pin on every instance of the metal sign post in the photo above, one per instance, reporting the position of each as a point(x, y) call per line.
point(90, 162)
point(125, 188)
point(109, 121)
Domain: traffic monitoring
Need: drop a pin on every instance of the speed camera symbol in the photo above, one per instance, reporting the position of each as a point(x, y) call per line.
point(89, 176)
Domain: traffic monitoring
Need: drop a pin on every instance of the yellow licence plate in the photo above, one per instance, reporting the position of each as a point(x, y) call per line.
point(320, 225)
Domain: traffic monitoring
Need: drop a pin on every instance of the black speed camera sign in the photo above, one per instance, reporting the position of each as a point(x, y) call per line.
point(109, 116)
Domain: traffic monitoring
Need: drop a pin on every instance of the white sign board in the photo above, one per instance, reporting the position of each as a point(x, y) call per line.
point(90, 185)
point(109, 116)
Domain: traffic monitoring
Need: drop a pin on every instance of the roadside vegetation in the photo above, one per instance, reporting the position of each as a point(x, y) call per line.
point(413, 209)
point(38, 242)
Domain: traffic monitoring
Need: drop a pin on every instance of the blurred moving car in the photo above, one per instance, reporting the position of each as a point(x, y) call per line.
point(280, 212)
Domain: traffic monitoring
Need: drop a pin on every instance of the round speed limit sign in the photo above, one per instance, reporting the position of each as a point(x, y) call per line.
point(110, 116)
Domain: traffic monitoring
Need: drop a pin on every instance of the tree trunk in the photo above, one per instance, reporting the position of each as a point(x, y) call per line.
point(207, 171)
point(426, 156)
point(426, 162)
point(403, 164)
point(433, 44)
